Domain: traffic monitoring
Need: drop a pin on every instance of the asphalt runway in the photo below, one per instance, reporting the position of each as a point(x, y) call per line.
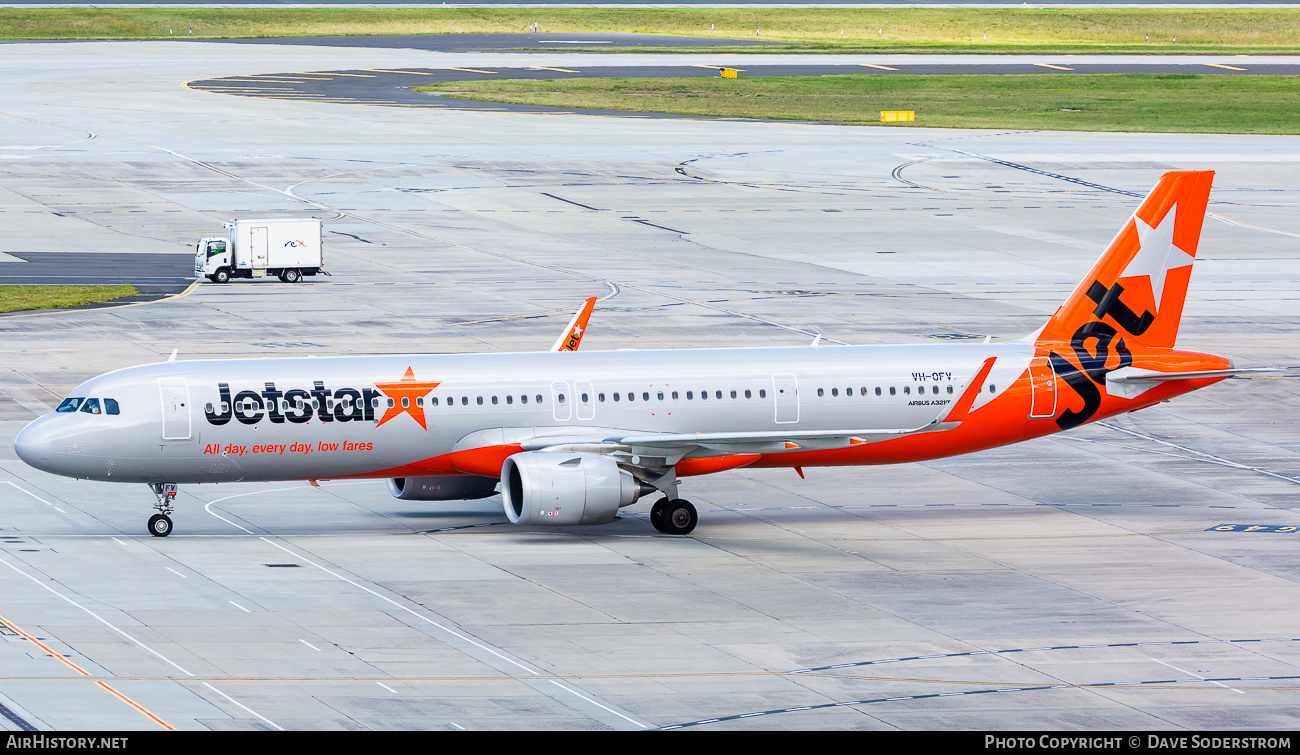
point(393, 87)
point(1140, 574)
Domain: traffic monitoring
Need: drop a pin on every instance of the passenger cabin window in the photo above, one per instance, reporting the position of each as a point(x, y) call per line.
point(70, 404)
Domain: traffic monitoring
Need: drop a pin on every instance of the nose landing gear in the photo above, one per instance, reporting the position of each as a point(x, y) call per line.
point(160, 525)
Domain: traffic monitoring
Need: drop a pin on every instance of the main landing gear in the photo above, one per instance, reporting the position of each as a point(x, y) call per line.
point(160, 525)
point(675, 517)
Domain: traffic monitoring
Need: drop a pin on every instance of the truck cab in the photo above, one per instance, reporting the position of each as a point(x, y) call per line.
point(212, 259)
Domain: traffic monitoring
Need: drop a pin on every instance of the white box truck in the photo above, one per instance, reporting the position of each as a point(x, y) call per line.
point(287, 248)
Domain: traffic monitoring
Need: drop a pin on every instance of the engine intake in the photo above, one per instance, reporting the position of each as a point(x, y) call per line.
point(449, 488)
point(539, 487)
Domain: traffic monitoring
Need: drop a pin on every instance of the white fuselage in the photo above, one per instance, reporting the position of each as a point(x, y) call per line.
point(277, 419)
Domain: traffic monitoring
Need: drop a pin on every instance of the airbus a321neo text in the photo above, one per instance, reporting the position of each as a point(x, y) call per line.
point(574, 437)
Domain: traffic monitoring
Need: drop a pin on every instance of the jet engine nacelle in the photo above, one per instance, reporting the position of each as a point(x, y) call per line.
point(450, 488)
point(539, 487)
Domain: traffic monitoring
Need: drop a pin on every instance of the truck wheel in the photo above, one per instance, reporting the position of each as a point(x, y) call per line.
point(221, 276)
point(291, 275)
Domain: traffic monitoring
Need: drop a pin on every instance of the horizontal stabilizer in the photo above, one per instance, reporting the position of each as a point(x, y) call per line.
point(1159, 377)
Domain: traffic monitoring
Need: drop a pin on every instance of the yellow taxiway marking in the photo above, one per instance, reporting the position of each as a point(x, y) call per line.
point(1049, 65)
point(873, 65)
point(394, 70)
point(331, 75)
point(63, 659)
point(544, 68)
point(471, 70)
point(1220, 65)
point(716, 68)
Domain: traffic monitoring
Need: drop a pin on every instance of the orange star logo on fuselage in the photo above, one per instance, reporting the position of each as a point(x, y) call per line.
point(406, 393)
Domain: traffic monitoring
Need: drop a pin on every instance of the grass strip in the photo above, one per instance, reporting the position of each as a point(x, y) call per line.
point(1151, 30)
point(18, 298)
point(1238, 104)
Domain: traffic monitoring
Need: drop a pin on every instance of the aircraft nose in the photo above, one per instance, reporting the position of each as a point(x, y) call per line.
point(35, 444)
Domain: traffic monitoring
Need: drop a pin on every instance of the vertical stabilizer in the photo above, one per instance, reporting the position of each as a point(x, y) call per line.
point(1136, 290)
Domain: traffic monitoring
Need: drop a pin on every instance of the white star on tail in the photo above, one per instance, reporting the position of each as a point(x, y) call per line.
point(1156, 253)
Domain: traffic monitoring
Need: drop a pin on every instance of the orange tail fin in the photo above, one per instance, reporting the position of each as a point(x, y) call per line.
point(1136, 290)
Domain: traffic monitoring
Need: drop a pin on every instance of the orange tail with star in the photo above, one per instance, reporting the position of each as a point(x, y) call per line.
point(1136, 290)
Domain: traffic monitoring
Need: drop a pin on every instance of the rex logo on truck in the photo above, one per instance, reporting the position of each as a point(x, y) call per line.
point(287, 248)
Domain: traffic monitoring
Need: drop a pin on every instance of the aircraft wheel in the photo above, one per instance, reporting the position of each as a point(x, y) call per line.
point(678, 517)
point(657, 514)
point(221, 276)
point(291, 275)
point(160, 525)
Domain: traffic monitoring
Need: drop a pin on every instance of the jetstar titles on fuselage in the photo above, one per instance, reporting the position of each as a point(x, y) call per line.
point(299, 405)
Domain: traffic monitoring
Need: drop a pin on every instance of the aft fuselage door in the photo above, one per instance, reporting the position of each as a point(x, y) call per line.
point(1042, 383)
point(175, 394)
point(785, 392)
point(584, 399)
point(561, 401)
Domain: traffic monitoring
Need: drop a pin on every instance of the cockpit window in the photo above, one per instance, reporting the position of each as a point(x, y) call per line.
point(91, 406)
point(69, 405)
point(110, 406)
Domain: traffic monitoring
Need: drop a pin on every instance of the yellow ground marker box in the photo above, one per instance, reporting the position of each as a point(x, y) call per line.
point(897, 115)
point(728, 73)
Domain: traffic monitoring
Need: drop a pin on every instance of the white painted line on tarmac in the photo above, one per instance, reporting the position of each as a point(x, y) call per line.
point(236, 605)
point(571, 690)
point(98, 618)
point(173, 571)
point(385, 686)
point(1198, 676)
point(30, 493)
point(241, 705)
point(313, 647)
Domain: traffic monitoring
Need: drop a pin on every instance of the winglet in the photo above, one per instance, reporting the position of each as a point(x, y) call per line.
point(572, 336)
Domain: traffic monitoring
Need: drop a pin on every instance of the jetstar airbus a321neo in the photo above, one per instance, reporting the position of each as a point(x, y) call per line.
point(573, 437)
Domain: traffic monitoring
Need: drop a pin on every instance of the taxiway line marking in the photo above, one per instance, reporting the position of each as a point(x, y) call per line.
point(241, 705)
point(51, 651)
point(28, 492)
point(873, 65)
point(1198, 676)
point(65, 661)
point(1049, 65)
point(98, 618)
point(544, 68)
point(471, 70)
point(1220, 65)
point(394, 70)
point(143, 710)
